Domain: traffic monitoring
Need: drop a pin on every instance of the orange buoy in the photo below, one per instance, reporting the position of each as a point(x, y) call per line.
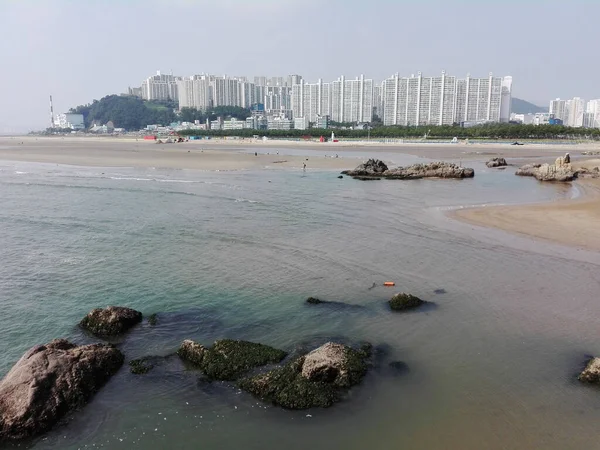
point(389, 283)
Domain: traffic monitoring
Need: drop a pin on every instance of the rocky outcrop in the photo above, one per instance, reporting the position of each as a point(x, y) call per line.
point(110, 321)
point(548, 172)
point(51, 380)
point(591, 373)
point(317, 379)
point(228, 359)
point(561, 170)
point(371, 167)
point(374, 169)
point(496, 162)
point(402, 302)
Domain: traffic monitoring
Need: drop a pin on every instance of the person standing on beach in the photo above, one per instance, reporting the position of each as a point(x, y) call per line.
point(304, 168)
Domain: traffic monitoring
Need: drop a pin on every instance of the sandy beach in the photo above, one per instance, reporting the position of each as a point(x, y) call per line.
point(569, 222)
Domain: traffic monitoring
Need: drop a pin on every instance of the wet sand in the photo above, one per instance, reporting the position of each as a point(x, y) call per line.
point(569, 222)
point(131, 153)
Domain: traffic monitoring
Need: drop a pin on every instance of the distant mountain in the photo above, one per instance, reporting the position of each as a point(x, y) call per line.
point(524, 107)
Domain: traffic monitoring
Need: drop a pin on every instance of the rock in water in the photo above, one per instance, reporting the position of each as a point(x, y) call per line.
point(110, 321)
point(228, 359)
point(51, 380)
point(402, 302)
point(548, 172)
point(374, 169)
point(313, 301)
point(591, 373)
point(496, 162)
point(371, 167)
point(317, 379)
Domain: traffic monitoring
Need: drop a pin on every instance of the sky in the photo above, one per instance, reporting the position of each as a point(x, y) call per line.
point(80, 50)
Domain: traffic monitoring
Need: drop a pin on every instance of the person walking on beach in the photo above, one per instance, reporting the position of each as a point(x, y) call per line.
point(304, 168)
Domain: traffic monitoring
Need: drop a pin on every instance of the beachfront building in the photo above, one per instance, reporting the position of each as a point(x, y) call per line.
point(160, 87)
point(279, 123)
point(234, 124)
point(301, 123)
point(69, 120)
point(445, 100)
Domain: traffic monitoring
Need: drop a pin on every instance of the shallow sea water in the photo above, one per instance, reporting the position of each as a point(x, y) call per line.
point(491, 365)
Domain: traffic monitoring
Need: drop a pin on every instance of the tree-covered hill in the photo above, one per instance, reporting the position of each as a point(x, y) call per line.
point(131, 113)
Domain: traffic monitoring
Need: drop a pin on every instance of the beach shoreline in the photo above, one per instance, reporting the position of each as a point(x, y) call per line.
point(571, 222)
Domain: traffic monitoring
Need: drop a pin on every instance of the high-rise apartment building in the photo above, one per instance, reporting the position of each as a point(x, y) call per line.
point(445, 100)
point(575, 109)
point(593, 111)
point(558, 108)
point(160, 87)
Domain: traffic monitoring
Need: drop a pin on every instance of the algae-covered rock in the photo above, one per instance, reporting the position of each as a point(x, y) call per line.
point(50, 381)
point(591, 373)
point(140, 366)
point(192, 352)
point(402, 302)
point(228, 359)
point(317, 379)
point(152, 319)
point(110, 321)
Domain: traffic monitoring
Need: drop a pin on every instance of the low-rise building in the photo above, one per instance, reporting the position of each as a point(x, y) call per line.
point(279, 123)
point(234, 124)
point(301, 123)
point(69, 120)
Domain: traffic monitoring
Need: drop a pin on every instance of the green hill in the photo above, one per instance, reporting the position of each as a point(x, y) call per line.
point(524, 107)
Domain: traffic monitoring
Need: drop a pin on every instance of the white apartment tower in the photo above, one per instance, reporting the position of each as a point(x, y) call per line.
point(558, 108)
point(445, 100)
point(575, 110)
point(593, 111)
point(160, 87)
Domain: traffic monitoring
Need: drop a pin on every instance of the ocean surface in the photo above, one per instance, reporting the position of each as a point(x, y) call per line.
point(491, 364)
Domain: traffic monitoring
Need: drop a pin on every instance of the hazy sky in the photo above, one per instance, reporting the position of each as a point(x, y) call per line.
point(78, 50)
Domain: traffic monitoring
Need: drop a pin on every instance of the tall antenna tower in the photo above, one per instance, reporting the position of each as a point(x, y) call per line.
point(51, 113)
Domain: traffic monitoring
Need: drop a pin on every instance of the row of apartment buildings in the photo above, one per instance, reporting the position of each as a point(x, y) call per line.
point(576, 113)
point(410, 101)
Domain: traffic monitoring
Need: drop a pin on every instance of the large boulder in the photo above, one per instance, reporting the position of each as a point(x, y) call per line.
point(402, 302)
point(372, 169)
point(496, 162)
point(110, 321)
point(317, 379)
point(228, 359)
point(591, 373)
point(51, 380)
point(548, 172)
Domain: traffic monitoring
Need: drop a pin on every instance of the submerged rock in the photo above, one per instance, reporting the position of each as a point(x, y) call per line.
point(317, 379)
point(140, 366)
point(496, 162)
point(402, 302)
point(110, 321)
point(228, 359)
point(153, 319)
point(373, 169)
point(51, 380)
point(591, 373)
